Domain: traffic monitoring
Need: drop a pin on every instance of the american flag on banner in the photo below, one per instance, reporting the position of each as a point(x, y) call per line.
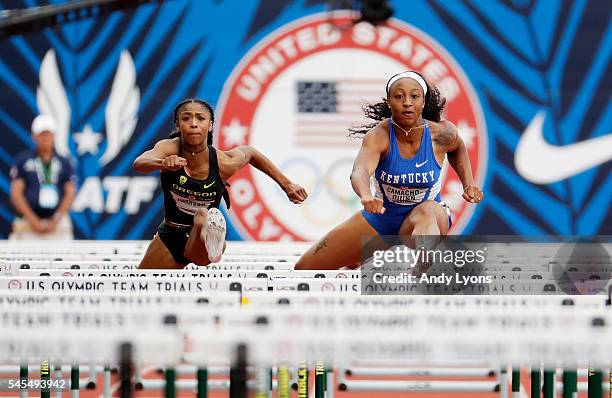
point(326, 110)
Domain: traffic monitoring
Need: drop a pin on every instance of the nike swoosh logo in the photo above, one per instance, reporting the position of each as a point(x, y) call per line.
point(539, 162)
point(420, 164)
point(209, 185)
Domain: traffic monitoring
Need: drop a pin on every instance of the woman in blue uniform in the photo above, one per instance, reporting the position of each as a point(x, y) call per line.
point(193, 179)
point(404, 151)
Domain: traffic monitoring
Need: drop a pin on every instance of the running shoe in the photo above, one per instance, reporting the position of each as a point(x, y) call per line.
point(215, 234)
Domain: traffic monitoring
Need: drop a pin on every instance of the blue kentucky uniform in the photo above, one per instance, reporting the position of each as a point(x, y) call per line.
point(44, 183)
point(404, 183)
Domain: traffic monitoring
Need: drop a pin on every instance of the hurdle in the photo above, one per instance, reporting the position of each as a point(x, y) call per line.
point(444, 387)
point(279, 270)
point(265, 304)
point(199, 273)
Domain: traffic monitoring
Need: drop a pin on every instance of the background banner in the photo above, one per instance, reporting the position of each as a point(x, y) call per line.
point(530, 96)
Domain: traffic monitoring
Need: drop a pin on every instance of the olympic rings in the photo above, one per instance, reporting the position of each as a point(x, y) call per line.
point(334, 179)
point(333, 183)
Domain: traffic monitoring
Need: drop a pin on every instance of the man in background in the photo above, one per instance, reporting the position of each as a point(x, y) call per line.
point(43, 186)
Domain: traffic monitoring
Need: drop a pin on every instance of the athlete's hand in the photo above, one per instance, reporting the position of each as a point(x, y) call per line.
point(296, 193)
point(173, 163)
point(472, 194)
point(373, 205)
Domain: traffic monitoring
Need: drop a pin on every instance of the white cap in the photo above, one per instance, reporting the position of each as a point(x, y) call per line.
point(43, 123)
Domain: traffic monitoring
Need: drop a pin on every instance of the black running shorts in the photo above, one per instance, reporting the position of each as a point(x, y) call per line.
point(175, 240)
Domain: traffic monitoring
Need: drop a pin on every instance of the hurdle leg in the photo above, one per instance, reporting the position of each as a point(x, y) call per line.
point(238, 374)
point(319, 380)
point(106, 384)
point(535, 383)
point(93, 377)
point(594, 383)
point(284, 383)
point(516, 383)
point(570, 383)
point(45, 378)
point(549, 384)
point(137, 371)
point(330, 386)
point(23, 375)
point(325, 380)
point(125, 370)
point(271, 380)
point(303, 381)
point(503, 383)
point(202, 376)
point(58, 376)
point(262, 382)
point(74, 381)
point(340, 382)
point(170, 389)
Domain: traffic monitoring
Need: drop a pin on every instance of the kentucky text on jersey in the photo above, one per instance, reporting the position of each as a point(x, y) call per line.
point(410, 178)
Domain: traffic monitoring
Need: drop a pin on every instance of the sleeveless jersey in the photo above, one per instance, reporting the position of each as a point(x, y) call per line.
point(183, 195)
point(403, 183)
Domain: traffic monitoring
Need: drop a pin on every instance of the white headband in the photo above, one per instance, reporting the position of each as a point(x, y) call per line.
point(411, 75)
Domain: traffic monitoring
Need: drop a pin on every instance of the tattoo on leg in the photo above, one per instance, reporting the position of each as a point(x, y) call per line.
point(321, 245)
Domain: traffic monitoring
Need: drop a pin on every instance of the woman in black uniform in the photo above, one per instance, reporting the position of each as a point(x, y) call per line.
point(193, 176)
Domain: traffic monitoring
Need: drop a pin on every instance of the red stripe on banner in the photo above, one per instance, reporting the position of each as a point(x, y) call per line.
point(350, 109)
point(324, 138)
point(309, 123)
point(333, 118)
point(354, 115)
point(326, 143)
point(373, 82)
point(360, 91)
point(318, 133)
point(344, 99)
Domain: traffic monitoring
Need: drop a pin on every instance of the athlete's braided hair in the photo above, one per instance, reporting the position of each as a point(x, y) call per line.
point(177, 108)
point(434, 105)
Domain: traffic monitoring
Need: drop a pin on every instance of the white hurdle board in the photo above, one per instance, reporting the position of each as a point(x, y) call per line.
point(131, 285)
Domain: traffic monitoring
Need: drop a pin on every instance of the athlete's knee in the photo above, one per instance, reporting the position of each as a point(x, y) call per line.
point(199, 219)
point(422, 215)
point(425, 212)
point(427, 208)
point(302, 263)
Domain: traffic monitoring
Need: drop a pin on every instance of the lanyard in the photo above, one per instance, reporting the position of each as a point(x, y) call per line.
point(43, 171)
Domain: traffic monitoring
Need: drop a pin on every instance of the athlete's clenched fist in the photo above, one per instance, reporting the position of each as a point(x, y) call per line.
point(174, 163)
point(373, 205)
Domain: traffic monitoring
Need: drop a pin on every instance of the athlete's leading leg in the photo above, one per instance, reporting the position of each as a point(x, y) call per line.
point(214, 235)
point(195, 249)
point(158, 256)
point(426, 219)
point(341, 247)
point(423, 227)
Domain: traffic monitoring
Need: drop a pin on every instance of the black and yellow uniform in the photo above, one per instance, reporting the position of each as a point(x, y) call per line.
point(183, 197)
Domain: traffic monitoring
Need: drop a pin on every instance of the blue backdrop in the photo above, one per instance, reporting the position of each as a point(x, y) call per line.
point(116, 79)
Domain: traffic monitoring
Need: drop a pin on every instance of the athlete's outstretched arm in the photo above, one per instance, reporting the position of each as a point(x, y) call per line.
point(363, 168)
point(163, 156)
point(460, 161)
point(246, 154)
